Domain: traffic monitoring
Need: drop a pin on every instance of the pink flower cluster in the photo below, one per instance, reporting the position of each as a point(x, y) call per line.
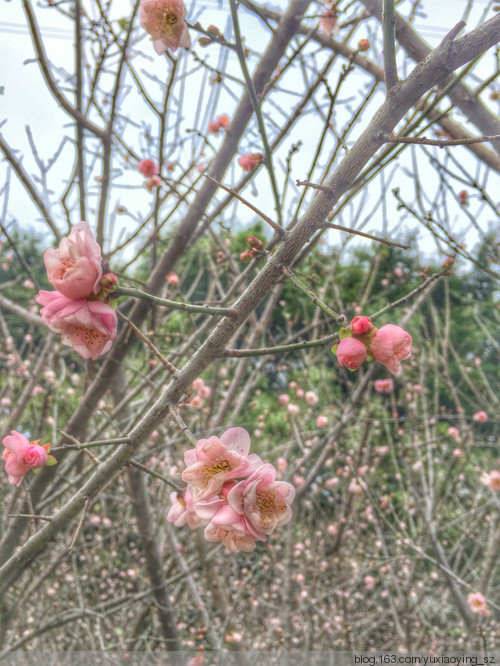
point(250, 161)
point(202, 392)
point(151, 171)
point(21, 455)
point(164, 20)
point(233, 493)
point(77, 309)
point(221, 123)
point(388, 345)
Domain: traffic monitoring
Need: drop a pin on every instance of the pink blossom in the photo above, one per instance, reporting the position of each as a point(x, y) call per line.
point(477, 604)
point(164, 20)
point(283, 399)
point(197, 660)
point(360, 325)
point(172, 278)
point(454, 432)
point(311, 398)
point(281, 465)
point(369, 582)
point(75, 268)
point(321, 421)
point(391, 345)
point(480, 417)
point(262, 501)
point(198, 384)
point(248, 162)
point(182, 510)
point(153, 183)
point(356, 487)
point(458, 453)
point(217, 460)
point(228, 528)
point(222, 122)
point(328, 23)
point(492, 480)
point(87, 326)
point(213, 127)
point(148, 168)
point(384, 385)
point(21, 455)
point(292, 409)
point(351, 353)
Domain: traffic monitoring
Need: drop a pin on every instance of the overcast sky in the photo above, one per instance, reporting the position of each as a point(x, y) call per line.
point(25, 100)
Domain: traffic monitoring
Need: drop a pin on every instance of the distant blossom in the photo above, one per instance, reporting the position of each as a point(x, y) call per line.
point(250, 161)
point(480, 417)
point(477, 604)
point(164, 21)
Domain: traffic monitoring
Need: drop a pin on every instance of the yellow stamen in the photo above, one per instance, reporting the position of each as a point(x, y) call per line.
point(170, 18)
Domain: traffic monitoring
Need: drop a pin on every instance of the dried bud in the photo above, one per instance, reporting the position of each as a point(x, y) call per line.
point(205, 41)
point(214, 32)
point(364, 45)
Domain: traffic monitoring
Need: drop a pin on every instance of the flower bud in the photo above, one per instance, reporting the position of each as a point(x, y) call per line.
point(351, 353)
point(360, 325)
point(255, 243)
point(246, 256)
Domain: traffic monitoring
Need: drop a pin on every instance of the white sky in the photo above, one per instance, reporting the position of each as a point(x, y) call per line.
point(25, 102)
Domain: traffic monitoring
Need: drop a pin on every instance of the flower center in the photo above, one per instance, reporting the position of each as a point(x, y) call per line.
point(267, 507)
point(64, 265)
point(170, 19)
point(220, 465)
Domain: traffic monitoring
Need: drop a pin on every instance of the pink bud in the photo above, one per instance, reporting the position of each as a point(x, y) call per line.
point(246, 256)
point(351, 353)
point(480, 417)
point(360, 325)
point(148, 168)
point(250, 161)
point(255, 243)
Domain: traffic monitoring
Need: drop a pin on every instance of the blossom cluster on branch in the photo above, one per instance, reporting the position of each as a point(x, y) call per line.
point(362, 341)
point(78, 309)
point(21, 455)
point(234, 494)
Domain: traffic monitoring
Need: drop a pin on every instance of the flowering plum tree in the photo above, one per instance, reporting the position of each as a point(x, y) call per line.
point(266, 393)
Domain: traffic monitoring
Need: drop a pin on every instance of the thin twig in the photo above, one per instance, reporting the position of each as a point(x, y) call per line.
point(362, 233)
point(30, 515)
point(441, 143)
point(279, 230)
point(171, 368)
point(134, 292)
point(79, 526)
point(143, 468)
point(256, 107)
point(241, 353)
point(340, 319)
